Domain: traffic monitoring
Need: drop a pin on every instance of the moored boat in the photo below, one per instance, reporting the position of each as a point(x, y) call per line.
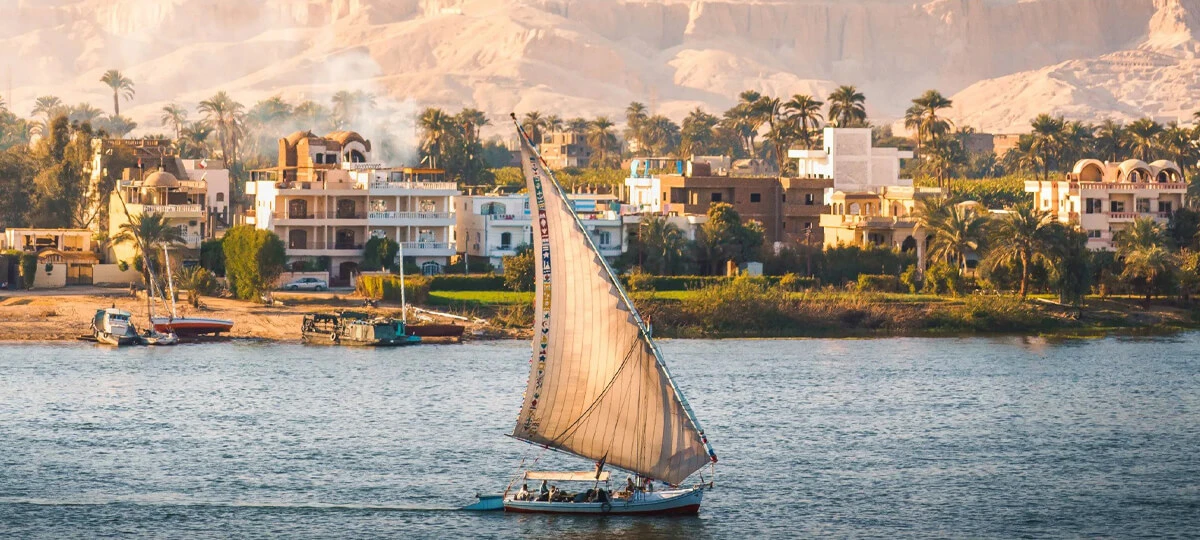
point(112, 326)
point(355, 328)
point(192, 326)
point(598, 387)
point(431, 330)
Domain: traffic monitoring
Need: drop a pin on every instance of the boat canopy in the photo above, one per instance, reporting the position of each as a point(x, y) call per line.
point(559, 476)
point(597, 385)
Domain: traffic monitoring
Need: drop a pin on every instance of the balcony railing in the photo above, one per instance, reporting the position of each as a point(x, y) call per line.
point(426, 245)
point(1135, 215)
point(409, 215)
point(1127, 186)
point(321, 215)
point(172, 208)
point(438, 186)
point(339, 246)
point(508, 217)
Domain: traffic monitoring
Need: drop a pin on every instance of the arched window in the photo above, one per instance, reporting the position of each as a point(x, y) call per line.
point(855, 209)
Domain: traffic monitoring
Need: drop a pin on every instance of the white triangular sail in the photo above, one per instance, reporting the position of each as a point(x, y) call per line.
point(597, 385)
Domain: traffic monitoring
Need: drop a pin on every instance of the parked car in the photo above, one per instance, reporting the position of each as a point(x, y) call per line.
point(308, 283)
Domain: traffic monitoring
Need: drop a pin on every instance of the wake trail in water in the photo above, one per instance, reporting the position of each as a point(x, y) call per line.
point(230, 504)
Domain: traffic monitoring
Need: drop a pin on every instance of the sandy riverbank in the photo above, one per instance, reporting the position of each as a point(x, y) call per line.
point(55, 317)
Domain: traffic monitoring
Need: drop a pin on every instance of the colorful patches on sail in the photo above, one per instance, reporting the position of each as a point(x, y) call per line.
point(543, 345)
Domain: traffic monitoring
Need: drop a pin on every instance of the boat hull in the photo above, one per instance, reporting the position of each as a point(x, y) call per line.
point(667, 503)
point(192, 327)
point(436, 330)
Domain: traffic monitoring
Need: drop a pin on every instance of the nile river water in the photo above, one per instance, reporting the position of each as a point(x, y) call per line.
point(917, 438)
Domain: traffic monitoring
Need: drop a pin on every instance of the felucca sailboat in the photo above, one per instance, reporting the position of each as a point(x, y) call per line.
point(598, 387)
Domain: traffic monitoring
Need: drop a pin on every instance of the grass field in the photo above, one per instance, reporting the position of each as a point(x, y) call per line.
point(479, 298)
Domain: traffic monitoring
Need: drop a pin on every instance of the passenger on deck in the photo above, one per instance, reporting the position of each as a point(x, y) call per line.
point(524, 494)
point(629, 487)
point(554, 493)
point(585, 496)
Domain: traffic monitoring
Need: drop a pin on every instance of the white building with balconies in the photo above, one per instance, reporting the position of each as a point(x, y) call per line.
point(491, 227)
point(600, 214)
point(326, 199)
point(852, 162)
point(1103, 198)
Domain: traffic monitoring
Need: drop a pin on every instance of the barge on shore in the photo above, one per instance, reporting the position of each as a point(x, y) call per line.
point(355, 328)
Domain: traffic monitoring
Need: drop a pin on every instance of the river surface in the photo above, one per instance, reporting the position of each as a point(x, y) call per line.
point(916, 438)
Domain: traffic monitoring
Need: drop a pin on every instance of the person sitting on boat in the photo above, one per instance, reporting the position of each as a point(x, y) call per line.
point(523, 495)
point(585, 496)
point(649, 484)
point(629, 487)
point(544, 492)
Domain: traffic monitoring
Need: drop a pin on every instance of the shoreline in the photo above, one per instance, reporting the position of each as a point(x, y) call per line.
point(57, 318)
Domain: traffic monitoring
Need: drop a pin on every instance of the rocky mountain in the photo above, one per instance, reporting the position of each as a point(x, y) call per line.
point(1003, 60)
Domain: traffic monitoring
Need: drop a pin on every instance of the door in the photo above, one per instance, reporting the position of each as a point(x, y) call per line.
point(79, 274)
point(297, 239)
point(298, 209)
point(344, 239)
point(345, 209)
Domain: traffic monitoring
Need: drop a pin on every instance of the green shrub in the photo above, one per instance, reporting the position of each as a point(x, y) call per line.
point(123, 266)
point(254, 259)
point(639, 281)
point(486, 282)
point(944, 278)
point(416, 288)
point(911, 279)
point(518, 271)
point(28, 269)
point(792, 282)
point(212, 256)
point(878, 283)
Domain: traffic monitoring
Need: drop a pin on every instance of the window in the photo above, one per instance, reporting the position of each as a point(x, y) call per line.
point(1093, 233)
point(1165, 207)
point(221, 197)
point(756, 197)
point(331, 158)
point(1093, 206)
point(319, 159)
point(505, 240)
point(1143, 206)
point(716, 197)
point(809, 199)
point(694, 198)
point(1116, 206)
point(807, 225)
point(605, 238)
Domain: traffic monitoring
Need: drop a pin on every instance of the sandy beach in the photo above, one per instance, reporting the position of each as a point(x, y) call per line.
point(54, 316)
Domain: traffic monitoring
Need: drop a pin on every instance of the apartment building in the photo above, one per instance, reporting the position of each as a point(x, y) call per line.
point(1103, 198)
point(491, 227)
point(326, 198)
point(566, 149)
point(601, 216)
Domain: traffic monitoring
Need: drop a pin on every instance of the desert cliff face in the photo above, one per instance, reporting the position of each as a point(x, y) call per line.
point(1005, 60)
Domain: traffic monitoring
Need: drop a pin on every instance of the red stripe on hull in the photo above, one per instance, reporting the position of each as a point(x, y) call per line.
point(682, 510)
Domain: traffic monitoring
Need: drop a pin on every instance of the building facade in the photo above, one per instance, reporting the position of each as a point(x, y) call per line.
point(182, 203)
point(567, 149)
point(851, 161)
point(1104, 198)
point(326, 199)
point(491, 227)
point(887, 217)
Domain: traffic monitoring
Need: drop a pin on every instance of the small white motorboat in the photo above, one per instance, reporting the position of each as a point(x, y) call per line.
point(112, 326)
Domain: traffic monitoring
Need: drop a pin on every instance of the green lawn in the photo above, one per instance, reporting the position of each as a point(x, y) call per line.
point(479, 298)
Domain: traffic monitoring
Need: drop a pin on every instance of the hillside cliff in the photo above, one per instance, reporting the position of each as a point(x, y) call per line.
point(1005, 59)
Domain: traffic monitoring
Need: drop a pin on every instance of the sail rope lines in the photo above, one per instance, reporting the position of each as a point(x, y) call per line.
point(637, 317)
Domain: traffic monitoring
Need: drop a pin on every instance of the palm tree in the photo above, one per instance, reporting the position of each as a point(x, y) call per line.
point(84, 112)
point(472, 120)
point(663, 244)
point(1111, 141)
point(923, 116)
point(534, 123)
point(175, 116)
point(348, 107)
point(696, 134)
point(193, 140)
point(1143, 233)
point(944, 156)
point(635, 116)
point(578, 126)
point(1149, 269)
point(437, 127)
point(959, 233)
point(1024, 236)
point(1048, 140)
point(1143, 138)
point(847, 107)
point(554, 124)
point(601, 138)
point(1177, 142)
point(149, 231)
point(225, 116)
point(121, 86)
point(662, 135)
point(805, 112)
